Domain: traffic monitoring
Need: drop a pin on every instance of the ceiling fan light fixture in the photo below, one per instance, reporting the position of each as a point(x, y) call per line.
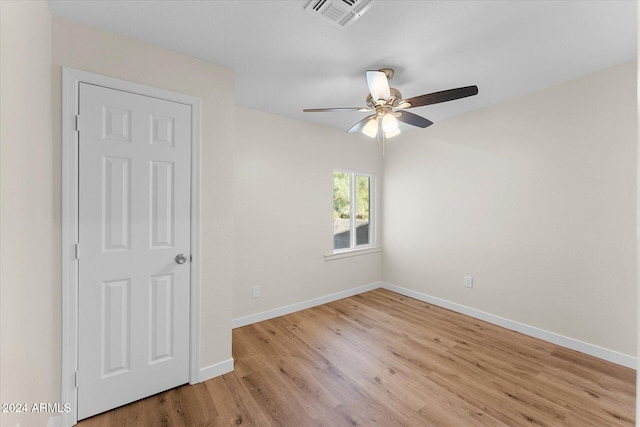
point(378, 85)
point(389, 123)
point(392, 133)
point(371, 128)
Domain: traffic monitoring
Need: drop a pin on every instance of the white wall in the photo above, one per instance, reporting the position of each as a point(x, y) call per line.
point(29, 214)
point(82, 47)
point(536, 199)
point(283, 186)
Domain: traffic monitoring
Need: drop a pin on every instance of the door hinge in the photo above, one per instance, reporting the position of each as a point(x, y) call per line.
point(76, 378)
point(77, 251)
point(77, 122)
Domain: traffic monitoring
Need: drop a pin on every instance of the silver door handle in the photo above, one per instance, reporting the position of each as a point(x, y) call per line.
point(181, 259)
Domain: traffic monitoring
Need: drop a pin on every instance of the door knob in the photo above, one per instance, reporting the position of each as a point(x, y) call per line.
point(181, 259)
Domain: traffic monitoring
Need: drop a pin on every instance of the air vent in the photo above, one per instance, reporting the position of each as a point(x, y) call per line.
point(340, 12)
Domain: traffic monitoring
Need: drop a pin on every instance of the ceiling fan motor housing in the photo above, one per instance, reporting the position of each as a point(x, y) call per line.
point(394, 98)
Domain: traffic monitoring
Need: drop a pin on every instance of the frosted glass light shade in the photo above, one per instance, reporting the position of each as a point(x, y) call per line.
point(392, 133)
point(378, 85)
point(371, 128)
point(389, 123)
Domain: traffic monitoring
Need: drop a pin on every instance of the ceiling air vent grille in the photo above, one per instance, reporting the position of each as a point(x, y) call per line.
point(340, 12)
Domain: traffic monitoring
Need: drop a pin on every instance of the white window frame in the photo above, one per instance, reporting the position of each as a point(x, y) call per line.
point(372, 214)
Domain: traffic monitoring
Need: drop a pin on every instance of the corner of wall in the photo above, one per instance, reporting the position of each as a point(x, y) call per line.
point(29, 249)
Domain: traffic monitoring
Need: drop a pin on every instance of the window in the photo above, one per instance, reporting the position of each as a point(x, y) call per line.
point(352, 210)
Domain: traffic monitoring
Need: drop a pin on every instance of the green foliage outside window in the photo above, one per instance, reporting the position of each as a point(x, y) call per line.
point(342, 196)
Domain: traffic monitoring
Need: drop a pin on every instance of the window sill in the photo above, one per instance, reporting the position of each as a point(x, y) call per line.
point(352, 252)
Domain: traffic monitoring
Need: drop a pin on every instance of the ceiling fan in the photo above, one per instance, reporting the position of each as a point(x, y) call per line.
point(388, 106)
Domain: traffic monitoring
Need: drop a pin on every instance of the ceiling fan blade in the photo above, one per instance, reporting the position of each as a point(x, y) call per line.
point(361, 124)
point(329, 110)
point(442, 96)
point(378, 85)
point(413, 119)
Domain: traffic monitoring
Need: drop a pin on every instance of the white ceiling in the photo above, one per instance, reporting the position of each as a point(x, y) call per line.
point(286, 59)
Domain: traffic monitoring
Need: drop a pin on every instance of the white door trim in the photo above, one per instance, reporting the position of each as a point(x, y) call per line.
point(71, 79)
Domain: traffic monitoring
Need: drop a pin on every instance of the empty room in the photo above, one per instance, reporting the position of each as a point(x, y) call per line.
point(318, 213)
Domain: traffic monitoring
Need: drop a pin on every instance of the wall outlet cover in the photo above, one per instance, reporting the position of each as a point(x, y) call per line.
point(468, 282)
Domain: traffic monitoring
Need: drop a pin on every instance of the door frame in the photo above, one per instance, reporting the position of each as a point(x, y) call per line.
point(71, 79)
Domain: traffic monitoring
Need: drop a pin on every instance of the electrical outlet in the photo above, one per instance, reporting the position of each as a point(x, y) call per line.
point(468, 282)
point(255, 292)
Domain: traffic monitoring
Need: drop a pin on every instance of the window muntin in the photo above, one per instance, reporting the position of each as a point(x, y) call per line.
point(352, 210)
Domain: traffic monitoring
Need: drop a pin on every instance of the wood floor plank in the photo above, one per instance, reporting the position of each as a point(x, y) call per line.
point(443, 407)
point(380, 358)
point(234, 403)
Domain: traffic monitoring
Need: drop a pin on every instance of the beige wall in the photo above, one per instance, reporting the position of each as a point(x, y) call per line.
point(283, 188)
point(29, 211)
point(85, 48)
point(536, 199)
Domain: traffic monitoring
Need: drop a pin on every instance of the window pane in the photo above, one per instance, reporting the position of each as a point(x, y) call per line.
point(362, 210)
point(341, 210)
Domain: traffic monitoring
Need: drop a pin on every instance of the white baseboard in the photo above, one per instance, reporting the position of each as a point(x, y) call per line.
point(573, 344)
point(215, 370)
point(281, 311)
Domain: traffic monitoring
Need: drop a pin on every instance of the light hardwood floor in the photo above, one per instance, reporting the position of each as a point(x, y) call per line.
point(382, 359)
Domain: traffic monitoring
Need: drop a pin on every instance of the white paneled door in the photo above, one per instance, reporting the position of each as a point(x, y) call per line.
point(134, 247)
